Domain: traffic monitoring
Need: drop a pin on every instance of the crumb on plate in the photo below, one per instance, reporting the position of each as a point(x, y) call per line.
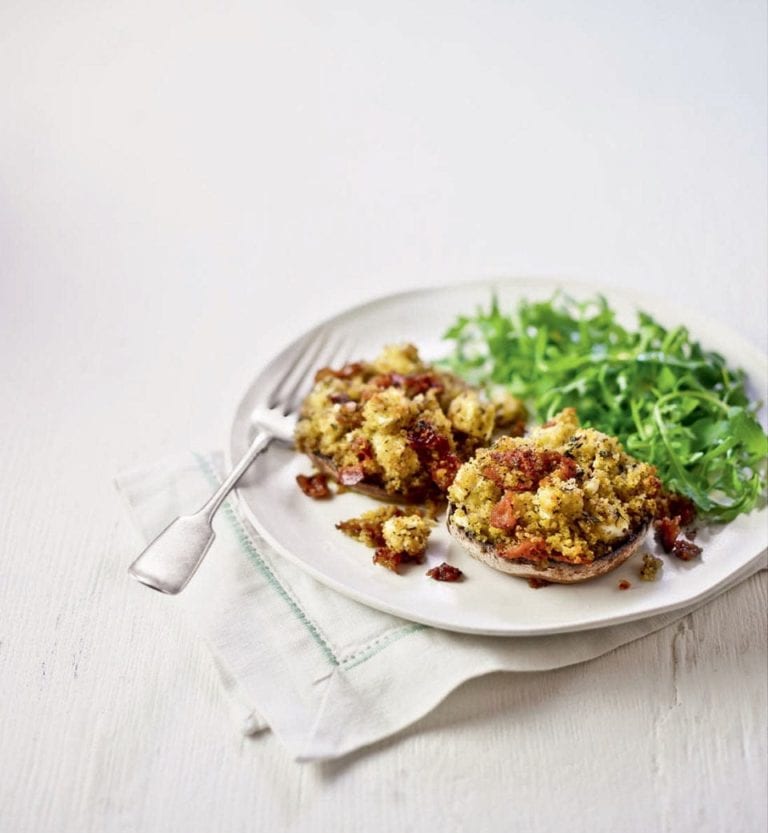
point(314, 485)
point(445, 572)
point(397, 534)
point(651, 568)
point(685, 550)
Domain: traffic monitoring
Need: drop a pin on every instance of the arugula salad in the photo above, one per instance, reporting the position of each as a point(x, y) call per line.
point(670, 401)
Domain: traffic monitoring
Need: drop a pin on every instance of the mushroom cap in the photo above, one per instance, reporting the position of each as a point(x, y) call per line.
point(558, 572)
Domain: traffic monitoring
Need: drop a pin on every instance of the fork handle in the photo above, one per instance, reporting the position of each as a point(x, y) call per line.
point(171, 560)
point(260, 442)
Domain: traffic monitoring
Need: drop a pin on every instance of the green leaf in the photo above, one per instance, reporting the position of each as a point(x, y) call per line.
point(744, 426)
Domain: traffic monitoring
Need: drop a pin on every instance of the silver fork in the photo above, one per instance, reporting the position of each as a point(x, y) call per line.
point(171, 560)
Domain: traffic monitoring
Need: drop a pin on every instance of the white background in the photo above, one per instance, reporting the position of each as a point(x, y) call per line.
point(183, 188)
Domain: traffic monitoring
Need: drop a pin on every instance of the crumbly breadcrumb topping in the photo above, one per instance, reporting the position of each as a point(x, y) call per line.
point(398, 423)
point(564, 493)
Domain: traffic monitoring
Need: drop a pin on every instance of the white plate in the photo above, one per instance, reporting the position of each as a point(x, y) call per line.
point(486, 602)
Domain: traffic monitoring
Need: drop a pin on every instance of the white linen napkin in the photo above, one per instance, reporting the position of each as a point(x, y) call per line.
point(327, 674)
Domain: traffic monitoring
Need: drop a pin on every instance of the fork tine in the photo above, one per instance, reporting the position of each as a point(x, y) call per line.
point(319, 352)
point(335, 353)
point(297, 368)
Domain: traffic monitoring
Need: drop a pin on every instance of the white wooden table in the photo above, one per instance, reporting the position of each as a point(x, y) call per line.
point(185, 186)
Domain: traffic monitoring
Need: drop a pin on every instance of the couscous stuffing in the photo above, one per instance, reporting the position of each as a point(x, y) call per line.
point(563, 493)
point(399, 424)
